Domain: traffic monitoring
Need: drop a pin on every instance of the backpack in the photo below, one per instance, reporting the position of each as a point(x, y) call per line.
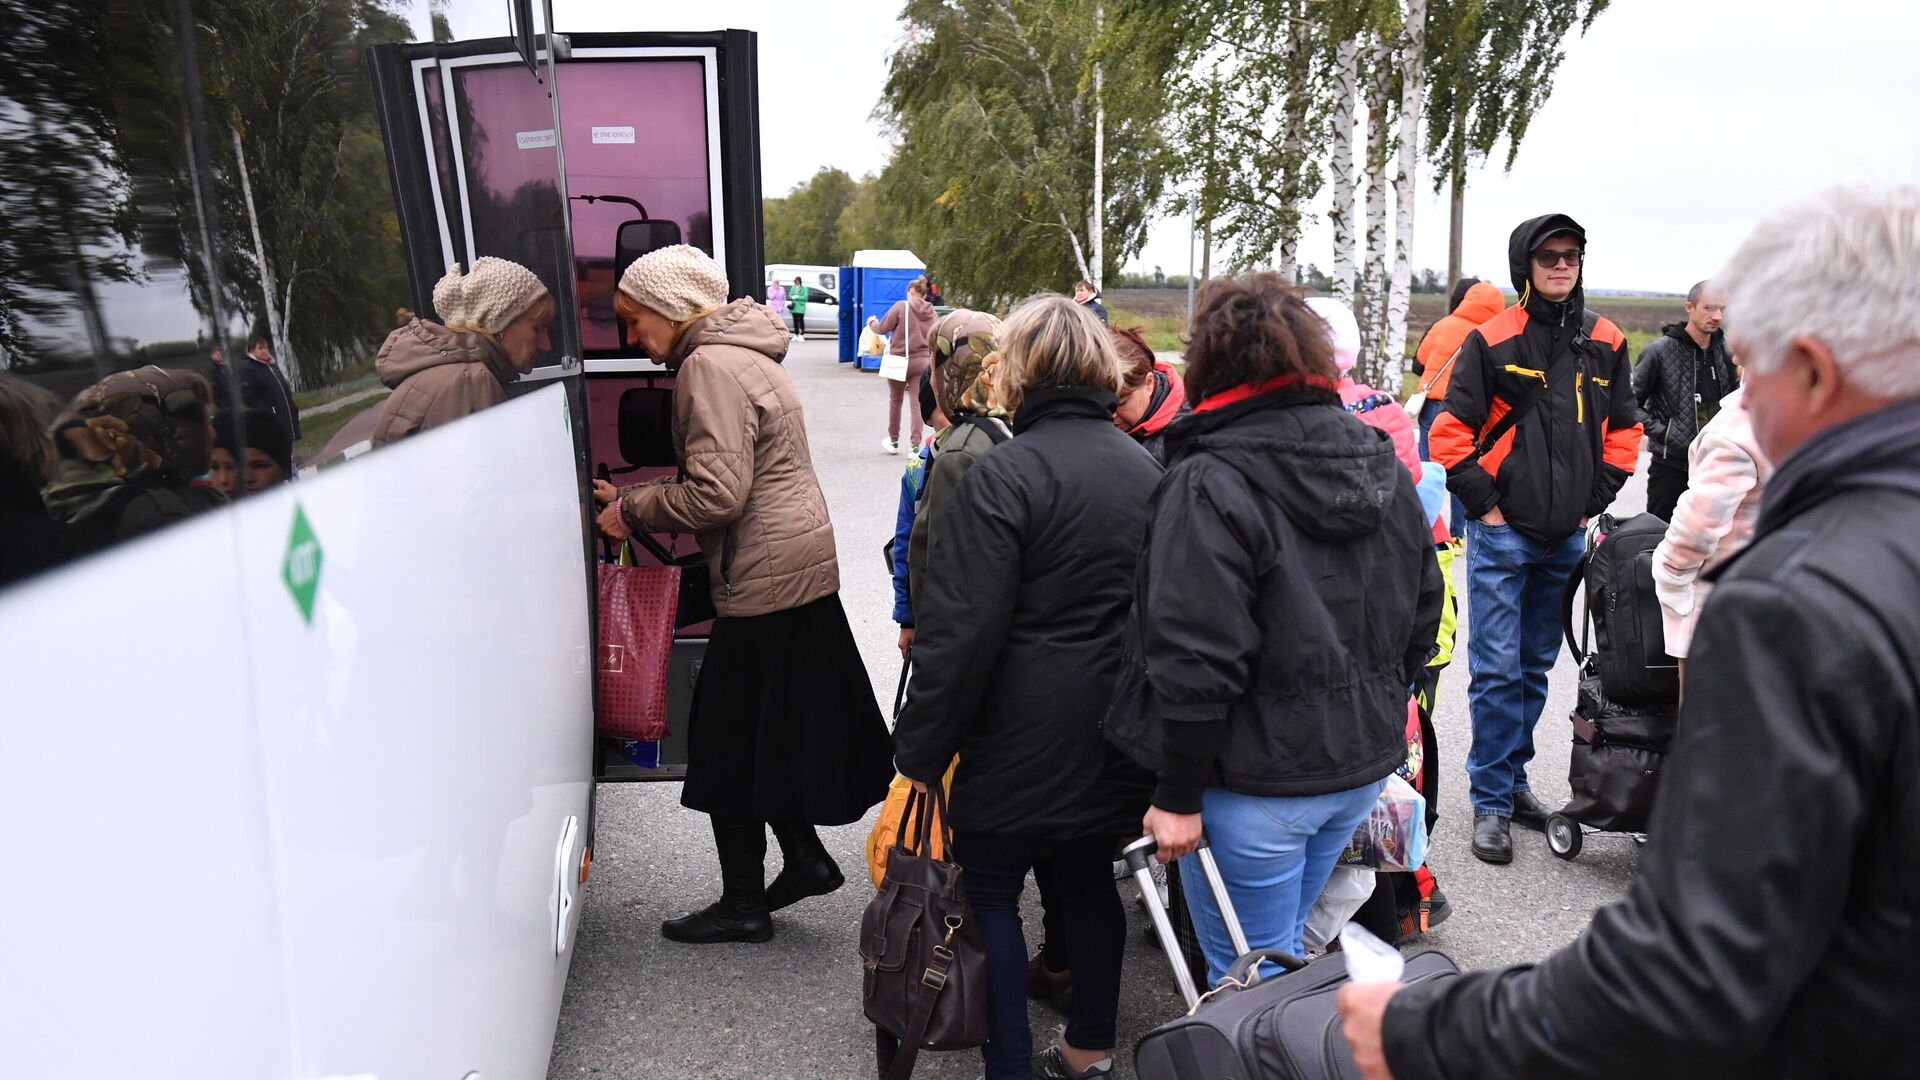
point(1629, 648)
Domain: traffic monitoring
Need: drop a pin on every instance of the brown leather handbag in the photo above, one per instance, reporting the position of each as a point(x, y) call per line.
point(926, 970)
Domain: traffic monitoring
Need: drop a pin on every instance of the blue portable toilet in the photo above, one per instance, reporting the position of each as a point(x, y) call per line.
point(849, 323)
point(877, 279)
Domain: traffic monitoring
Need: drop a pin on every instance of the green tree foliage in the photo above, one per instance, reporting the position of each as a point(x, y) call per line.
point(63, 193)
point(994, 106)
point(870, 221)
point(804, 226)
point(1490, 67)
point(99, 185)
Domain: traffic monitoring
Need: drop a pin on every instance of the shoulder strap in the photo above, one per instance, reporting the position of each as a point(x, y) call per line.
point(1535, 394)
point(995, 430)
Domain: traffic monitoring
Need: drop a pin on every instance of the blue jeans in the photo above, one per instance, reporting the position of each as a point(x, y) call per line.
point(1514, 593)
point(995, 870)
point(1457, 524)
point(1275, 855)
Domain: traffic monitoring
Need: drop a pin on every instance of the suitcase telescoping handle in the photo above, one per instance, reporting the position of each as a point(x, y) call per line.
point(1139, 857)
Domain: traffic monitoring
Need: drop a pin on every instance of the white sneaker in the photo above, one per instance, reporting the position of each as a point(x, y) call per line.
point(889, 446)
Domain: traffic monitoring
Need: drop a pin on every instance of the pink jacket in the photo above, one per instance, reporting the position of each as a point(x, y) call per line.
point(1714, 519)
point(1389, 417)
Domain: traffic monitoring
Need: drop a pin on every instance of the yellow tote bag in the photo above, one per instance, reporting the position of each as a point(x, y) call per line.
point(887, 829)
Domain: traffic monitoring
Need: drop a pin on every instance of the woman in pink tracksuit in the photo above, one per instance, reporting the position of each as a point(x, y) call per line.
point(1713, 519)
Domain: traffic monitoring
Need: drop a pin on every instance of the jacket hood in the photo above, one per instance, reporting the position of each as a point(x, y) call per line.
point(1879, 450)
point(1459, 293)
point(1483, 300)
point(1529, 235)
point(421, 344)
point(1332, 475)
point(745, 323)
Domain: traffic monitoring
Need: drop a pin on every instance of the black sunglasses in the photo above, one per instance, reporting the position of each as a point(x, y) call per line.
point(1555, 258)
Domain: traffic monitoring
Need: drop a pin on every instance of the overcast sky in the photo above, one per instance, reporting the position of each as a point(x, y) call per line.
point(1672, 127)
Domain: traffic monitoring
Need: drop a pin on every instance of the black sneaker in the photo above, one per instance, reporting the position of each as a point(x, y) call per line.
point(1050, 1064)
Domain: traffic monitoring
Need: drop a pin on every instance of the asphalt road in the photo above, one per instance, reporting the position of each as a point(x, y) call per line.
point(639, 1006)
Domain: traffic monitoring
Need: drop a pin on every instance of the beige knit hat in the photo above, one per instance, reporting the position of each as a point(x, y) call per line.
point(489, 296)
point(679, 282)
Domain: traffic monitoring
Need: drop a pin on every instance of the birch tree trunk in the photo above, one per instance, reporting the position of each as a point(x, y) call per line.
point(276, 325)
point(1293, 166)
point(1372, 303)
point(1346, 79)
point(1097, 218)
point(1393, 355)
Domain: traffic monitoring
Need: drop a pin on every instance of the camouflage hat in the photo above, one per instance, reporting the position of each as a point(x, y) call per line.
point(962, 341)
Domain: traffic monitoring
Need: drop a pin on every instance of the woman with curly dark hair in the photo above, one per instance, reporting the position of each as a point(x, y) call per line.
point(1287, 596)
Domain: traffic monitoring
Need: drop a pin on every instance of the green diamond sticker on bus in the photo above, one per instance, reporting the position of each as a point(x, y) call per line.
point(302, 568)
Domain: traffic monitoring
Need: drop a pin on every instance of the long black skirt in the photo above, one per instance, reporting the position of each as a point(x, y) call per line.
point(784, 724)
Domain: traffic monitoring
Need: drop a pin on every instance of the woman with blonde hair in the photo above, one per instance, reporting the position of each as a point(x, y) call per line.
point(784, 729)
point(496, 317)
point(1018, 642)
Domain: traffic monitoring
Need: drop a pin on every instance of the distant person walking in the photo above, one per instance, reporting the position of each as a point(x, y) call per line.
point(1538, 432)
point(1681, 378)
point(797, 298)
point(777, 300)
point(910, 323)
point(1088, 297)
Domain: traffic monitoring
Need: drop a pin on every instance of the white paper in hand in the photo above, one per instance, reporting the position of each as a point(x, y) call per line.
point(1370, 960)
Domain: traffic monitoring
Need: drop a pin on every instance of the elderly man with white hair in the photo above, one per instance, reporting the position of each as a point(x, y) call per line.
point(1772, 930)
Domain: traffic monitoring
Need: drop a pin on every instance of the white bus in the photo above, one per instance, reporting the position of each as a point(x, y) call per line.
point(303, 785)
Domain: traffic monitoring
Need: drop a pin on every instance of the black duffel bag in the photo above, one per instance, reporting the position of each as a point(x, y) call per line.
point(1618, 753)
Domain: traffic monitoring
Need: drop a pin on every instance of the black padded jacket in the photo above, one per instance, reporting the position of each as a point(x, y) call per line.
point(1771, 931)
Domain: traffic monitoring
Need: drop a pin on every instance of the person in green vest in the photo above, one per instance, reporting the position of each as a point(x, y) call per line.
point(797, 302)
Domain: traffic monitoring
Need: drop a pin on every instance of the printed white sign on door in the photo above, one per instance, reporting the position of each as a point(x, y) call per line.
point(535, 140)
point(602, 135)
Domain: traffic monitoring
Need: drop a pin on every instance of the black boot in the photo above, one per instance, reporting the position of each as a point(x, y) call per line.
point(1492, 842)
point(807, 871)
point(1528, 813)
point(741, 912)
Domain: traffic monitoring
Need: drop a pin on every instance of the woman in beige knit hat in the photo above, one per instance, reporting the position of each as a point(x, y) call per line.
point(784, 730)
point(496, 317)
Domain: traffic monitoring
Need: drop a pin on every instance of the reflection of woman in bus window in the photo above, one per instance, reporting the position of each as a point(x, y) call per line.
point(131, 446)
point(30, 540)
point(496, 319)
point(784, 729)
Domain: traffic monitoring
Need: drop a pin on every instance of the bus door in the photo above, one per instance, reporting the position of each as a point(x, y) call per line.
point(658, 141)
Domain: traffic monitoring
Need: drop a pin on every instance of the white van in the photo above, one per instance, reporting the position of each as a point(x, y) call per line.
point(823, 294)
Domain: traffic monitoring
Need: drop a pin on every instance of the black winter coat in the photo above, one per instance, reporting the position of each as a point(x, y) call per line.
point(262, 386)
point(31, 541)
point(1771, 931)
point(1679, 385)
point(1021, 618)
point(1289, 589)
point(1566, 458)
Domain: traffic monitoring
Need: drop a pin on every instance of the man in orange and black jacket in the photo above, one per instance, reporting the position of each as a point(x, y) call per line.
point(1538, 432)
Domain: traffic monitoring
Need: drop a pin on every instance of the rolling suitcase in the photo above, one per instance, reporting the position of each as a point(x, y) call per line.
point(1280, 1027)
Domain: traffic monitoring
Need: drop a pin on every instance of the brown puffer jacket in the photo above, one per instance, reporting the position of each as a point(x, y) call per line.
point(438, 376)
point(747, 487)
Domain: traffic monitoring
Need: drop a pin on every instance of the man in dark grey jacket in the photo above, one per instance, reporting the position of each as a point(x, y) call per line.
point(1679, 381)
point(1771, 932)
